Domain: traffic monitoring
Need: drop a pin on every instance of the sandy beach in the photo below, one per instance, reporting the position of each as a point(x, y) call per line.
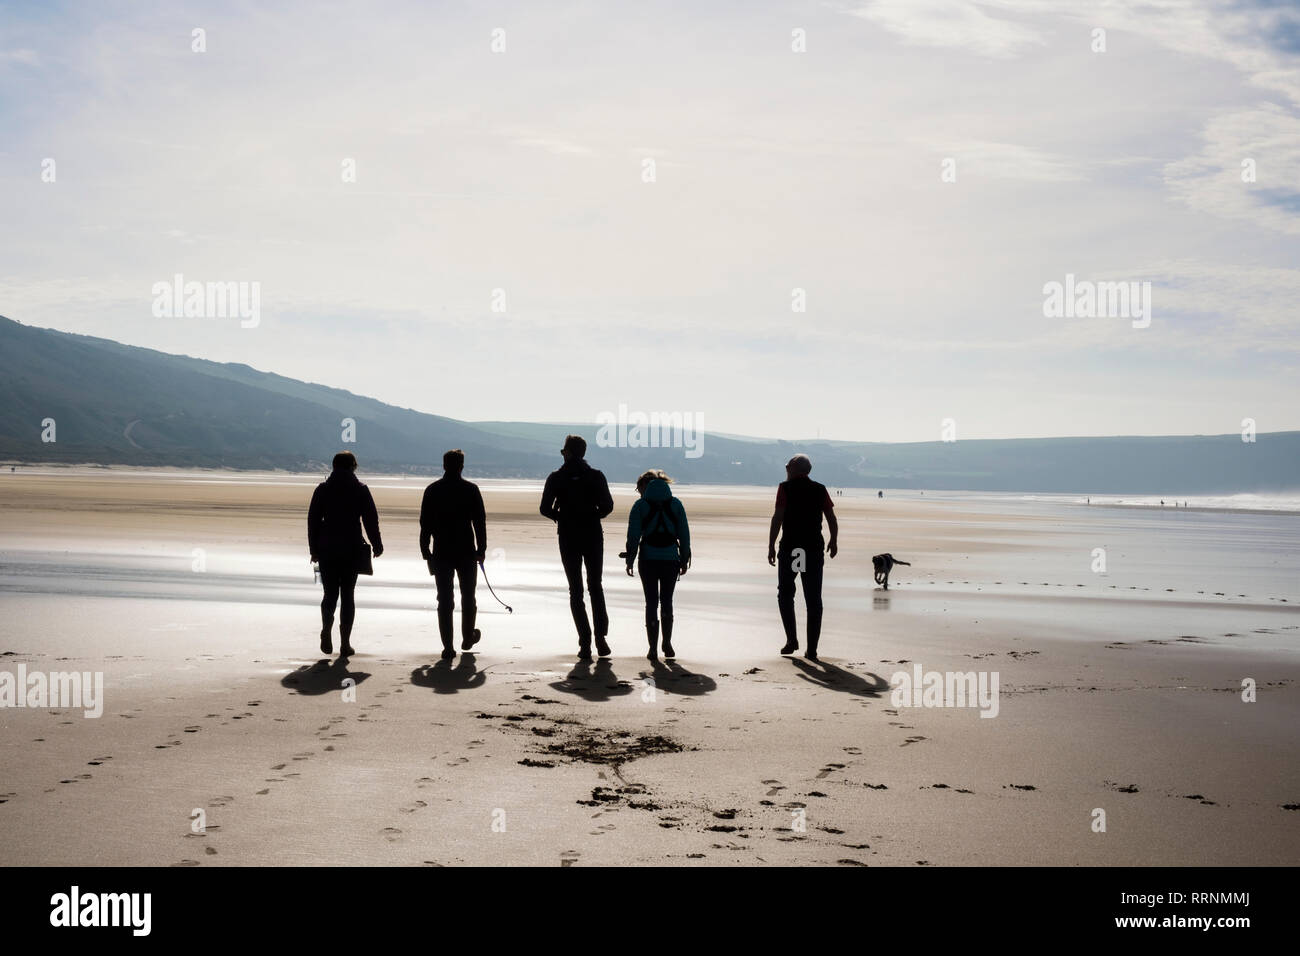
point(192, 593)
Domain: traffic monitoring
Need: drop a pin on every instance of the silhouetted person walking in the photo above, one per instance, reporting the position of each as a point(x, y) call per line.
point(657, 527)
point(800, 505)
point(340, 505)
point(451, 514)
point(576, 498)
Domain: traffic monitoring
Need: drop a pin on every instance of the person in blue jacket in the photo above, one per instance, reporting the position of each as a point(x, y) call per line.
point(657, 529)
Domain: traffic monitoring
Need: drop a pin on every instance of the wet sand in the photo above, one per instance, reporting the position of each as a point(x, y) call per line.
point(1119, 691)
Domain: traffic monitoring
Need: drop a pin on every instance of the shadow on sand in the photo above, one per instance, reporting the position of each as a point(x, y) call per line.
point(444, 678)
point(837, 678)
point(323, 677)
point(673, 678)
point(594, 682)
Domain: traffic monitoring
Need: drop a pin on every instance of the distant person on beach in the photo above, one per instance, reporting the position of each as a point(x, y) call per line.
point(801, 503)
point(340, 505)
point(452, 516)
point(657, 529)
point(880, 494)
point(576, 497)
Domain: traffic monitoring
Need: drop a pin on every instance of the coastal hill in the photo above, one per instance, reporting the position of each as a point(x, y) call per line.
point(120, 404)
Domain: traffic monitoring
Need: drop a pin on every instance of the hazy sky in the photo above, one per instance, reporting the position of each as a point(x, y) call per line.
point(523, 170)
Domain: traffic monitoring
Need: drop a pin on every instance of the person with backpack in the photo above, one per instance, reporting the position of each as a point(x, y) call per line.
point(340, 505)
point(576, 497)
point(801, 504)
point(657, 528)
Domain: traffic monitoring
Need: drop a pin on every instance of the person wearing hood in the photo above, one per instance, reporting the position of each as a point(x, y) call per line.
point(576, 497)
point(657, 529)
point(340, 505)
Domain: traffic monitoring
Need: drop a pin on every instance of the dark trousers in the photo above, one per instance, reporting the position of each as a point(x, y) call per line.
point(575, 554)
point(658, 579)
point(444, 570)
point(339, 580)
point(813, 562)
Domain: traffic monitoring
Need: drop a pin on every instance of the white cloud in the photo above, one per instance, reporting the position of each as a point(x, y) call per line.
point(23, 56)
point(952, 24)
point(1211, 181)
point(559, 147)
point(1009, 161)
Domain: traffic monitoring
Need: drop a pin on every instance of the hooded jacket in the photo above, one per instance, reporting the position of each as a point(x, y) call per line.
point(643, 519)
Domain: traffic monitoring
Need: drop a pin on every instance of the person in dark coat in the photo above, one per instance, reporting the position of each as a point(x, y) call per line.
point(576, 497)
point(340, 505)
point(801, 503)
point(452, 517)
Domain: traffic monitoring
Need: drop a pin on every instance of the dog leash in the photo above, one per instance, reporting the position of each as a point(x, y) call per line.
point(494, 593)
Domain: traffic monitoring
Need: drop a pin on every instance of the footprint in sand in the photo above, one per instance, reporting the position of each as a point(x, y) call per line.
point(829, 769)
point(912, 740)
point(209, 851)
point(569, 857)
point(391, 834)
point(187, 863)
point(220, 801)
point(192, 730)
point(776, 785)
point(419, 805)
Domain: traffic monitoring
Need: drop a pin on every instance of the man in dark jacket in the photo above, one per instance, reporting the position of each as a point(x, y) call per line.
point(800, 505)
point(576, 498)
point(340, 505)
point(452, 515)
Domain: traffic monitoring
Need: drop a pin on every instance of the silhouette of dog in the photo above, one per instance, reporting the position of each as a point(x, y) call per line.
point(884, 563)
